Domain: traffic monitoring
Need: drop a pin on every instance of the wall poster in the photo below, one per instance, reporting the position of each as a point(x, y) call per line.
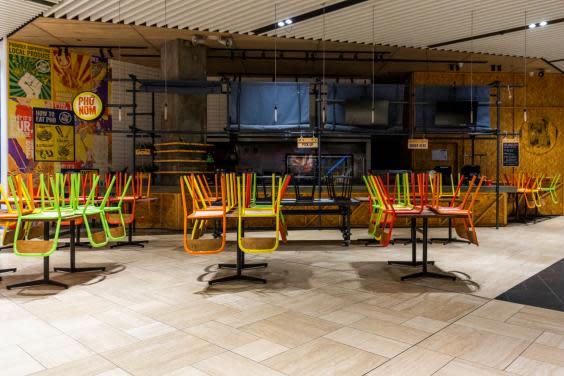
point(30, 71)
point(54, 135)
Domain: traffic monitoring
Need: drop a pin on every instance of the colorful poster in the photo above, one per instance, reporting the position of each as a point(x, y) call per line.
point(72, 74)
point(53, 135)
point(30, 71)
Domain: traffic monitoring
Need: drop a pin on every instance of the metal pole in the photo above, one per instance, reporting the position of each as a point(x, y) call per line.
point(152, 126)
point(134, 115)
point(497, 141)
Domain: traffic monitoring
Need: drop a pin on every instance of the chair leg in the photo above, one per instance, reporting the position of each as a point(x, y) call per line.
point(237, 277)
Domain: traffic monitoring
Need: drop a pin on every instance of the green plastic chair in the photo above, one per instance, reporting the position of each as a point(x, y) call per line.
point(89, 210)
point(119, 232)
point(38, 248)
point(551, 188)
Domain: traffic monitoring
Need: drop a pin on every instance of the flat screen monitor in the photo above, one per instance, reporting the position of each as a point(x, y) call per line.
point(456, 113)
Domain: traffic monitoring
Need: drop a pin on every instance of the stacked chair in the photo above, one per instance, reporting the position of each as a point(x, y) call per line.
point(66, 200)
point(232, 196)
point(409, 196)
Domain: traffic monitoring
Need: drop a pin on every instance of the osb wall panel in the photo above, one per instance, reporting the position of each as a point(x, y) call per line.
point(545, 105)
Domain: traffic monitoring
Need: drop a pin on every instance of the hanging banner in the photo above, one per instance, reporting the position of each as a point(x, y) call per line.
point(510, 149)
point(418, 143)
point(307, 142)
point(30, 71)
point(53, 135)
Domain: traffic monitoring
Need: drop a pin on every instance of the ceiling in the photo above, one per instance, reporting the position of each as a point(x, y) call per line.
point(405, 27)
point(16, 13)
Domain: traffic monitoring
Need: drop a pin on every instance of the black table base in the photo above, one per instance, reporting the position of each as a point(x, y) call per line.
point(130, 242)
point(239, 266)
point(73, 268)
point(423, 263)
point(8, 270)
point(450, 238)
point(46, 280)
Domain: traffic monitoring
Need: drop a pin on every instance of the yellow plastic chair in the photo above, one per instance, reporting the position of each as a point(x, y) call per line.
point(257, 244)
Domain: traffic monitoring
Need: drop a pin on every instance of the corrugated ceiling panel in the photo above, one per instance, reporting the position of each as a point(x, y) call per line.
point(15, 13)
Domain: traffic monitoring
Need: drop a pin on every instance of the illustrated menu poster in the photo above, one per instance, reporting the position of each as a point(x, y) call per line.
point(30, 71)
point(53, 135)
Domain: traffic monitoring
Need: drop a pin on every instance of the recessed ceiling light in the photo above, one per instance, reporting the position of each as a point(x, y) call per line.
point(288, 21)
point(281, 24)
point(543, 23)
point(532, 26)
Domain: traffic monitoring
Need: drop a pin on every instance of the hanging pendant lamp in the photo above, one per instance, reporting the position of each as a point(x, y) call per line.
point(165, 109)
point(275, 64)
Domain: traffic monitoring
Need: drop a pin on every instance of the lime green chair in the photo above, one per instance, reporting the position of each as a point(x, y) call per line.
point(114, 215)
point(39, 248)
point(551, 188)
point(90, 209)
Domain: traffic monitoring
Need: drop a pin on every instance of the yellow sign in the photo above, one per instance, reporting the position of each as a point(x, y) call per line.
point(87, 106)
point(418, 143)
point(307, 142)
point(53, 135)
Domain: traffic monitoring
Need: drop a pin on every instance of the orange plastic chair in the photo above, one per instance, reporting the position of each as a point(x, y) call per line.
point(201, 213)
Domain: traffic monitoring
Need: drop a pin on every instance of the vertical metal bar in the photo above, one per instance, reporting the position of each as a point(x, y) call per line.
point(152, 126)
point(72, 245)
point(4, 112)
point(497, 141)
point(134, 115)
point(425, 235)
point(414, 240)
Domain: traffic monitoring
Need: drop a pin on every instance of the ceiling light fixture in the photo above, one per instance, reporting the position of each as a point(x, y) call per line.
point(532, 26)
point(281, 24)
point(289, 22)
point(543, 23)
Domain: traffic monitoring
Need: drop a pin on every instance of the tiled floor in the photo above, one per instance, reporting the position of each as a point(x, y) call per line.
point(326, 310)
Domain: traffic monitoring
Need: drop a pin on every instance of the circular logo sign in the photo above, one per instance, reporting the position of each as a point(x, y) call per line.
point(87, 106)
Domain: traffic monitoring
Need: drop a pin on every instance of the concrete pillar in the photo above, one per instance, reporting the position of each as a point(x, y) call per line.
point(182, 61)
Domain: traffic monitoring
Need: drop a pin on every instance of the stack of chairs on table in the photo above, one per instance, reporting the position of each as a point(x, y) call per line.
point(61, 199)
point(408, 194)
point(231, 194)
point(533, 188)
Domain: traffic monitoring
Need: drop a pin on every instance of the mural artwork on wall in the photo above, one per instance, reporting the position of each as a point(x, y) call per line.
point(45, 78)
point(539, 136)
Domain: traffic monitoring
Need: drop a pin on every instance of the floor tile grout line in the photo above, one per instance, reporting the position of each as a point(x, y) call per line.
point(32, 357)
point(430, 335)
point(525, 349)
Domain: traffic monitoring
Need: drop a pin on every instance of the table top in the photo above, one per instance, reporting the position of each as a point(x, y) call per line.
point(319, 202)
point(428, 213)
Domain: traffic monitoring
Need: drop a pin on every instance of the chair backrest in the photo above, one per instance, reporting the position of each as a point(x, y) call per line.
point(476, 192)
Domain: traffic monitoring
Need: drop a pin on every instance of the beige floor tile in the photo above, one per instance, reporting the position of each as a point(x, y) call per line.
point(91, 366)
point(151, 330)
point(16, 362)
point(162, 354)
point(440, 306)
point(186, 371)
point(368, 342)
point(390, 330)
point(527, 367)
point(229, 364)
point(290, 329)
point(414, 362)
point(26, 329)
point(497, 310)
point(538, 318)
point(551, 339)
point(114, 372)
point(479, 346)
point(260, 350)
point(221, 335)
point(314, 303)
point(545, 354)
point(459, 367)
point(377, 312)
point(342, 317)
point(97, 336)
point(54, 351)
point(324, 357)
point(425, 324)
point(500, 328)
point(198, 313)
point(250, 315)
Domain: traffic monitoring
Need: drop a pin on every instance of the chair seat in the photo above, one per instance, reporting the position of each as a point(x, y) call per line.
point(264, 213)
point(34, 246)
point(203, 245)
point(258, 244)
point(49, 215)
point(116, 218)
point(203, 214)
